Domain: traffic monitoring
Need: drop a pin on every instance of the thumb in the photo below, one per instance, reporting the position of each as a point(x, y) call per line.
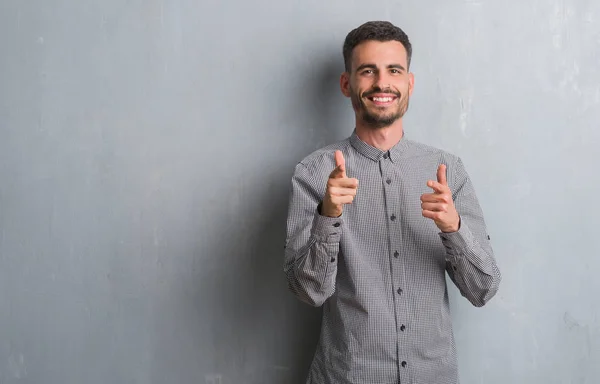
point(340, 163)
point(441, 174)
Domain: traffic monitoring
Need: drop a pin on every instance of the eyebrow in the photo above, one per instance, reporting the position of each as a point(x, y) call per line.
point(373, 66)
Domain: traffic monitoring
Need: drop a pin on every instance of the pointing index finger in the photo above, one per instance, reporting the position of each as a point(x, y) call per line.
point(437, 187)
point(339, 160)
point(340, 165)
point(441, 175)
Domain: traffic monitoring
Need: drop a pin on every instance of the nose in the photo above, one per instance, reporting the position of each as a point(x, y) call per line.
point(382, 81)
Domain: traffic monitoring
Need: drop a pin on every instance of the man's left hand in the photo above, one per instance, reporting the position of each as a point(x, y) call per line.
point(439, 205)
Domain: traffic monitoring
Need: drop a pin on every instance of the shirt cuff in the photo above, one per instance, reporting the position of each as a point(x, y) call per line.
point(459, 242)
point(327, 229)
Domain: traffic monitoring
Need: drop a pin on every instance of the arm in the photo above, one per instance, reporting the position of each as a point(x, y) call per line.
point(312, 241)
point(470, 260)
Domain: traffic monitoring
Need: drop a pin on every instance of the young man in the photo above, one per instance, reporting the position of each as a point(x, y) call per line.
point(375, 222)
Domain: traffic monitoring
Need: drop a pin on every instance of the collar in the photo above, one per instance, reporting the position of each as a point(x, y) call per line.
point(377, 154)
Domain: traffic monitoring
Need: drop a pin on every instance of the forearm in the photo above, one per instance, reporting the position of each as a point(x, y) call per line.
point(471, 266)
point(311, 265)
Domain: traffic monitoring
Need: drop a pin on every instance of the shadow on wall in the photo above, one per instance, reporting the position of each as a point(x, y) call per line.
point(293, 336)
point(270, 335)
point(325, 109)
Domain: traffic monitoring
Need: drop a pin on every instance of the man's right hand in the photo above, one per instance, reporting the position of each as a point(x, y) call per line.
point(340, 189)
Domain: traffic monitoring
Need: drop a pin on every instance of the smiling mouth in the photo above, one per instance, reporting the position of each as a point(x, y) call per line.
point(382, 100)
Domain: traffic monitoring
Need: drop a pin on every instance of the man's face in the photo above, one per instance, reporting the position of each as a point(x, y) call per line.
point(379, 83)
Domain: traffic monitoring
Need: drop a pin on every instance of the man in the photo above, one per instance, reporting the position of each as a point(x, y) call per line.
point(375, 222)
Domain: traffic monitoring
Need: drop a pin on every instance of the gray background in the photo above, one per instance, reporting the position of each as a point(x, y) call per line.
point(145, 156)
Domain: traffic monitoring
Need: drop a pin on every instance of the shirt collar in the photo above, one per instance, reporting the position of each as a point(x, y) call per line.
point(377, 154)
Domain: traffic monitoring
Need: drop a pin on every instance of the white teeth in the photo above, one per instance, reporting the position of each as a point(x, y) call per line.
point(382, 99)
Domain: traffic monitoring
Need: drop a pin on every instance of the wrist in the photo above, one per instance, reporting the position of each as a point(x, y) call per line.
point(325, 210)
point(453, 228)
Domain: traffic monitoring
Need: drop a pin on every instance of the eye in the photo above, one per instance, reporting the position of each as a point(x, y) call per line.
point(395, 71)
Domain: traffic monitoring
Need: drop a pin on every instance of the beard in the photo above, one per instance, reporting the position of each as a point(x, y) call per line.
point(379, 117)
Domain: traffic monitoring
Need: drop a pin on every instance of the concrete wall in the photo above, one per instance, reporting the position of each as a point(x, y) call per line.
point(146, 149)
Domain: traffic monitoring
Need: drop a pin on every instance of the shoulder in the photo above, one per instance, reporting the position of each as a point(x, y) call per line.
point(419, 149)
point(323, 158)
point(312, 171)
point(428, 153)
point(429, 158)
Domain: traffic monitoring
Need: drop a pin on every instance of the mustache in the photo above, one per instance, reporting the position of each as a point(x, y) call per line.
point(380, 90)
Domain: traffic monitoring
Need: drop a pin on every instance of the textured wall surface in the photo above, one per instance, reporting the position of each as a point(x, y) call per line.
point(146, 149)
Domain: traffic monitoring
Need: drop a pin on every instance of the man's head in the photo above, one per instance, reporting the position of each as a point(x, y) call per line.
point(377, 79)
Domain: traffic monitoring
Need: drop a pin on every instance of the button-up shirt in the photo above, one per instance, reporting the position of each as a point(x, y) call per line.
point(379, 269)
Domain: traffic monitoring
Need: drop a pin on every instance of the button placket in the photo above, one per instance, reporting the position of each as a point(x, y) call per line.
point(391, 190)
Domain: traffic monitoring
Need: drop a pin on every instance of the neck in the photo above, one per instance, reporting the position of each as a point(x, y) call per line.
point(381, 138)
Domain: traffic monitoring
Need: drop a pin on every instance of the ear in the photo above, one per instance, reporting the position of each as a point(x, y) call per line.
point(345, 84)
point(411, 83)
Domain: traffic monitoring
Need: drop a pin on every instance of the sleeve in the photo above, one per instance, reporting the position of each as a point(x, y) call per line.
point(312, 241)
point(470, 260)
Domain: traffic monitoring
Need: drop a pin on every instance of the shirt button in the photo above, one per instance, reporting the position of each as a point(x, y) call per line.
point(333, 259)
point(336, 225)
point(393, 217)
point(404, 364)
point(385, 155)
point(403, 327)
point(399, 291)
point(389, 181)
point(396, 254)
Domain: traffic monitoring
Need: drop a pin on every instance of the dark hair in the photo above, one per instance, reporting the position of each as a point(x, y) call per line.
point(374, 30)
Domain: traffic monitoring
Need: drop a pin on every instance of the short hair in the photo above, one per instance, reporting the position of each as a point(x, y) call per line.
point(378, 31)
